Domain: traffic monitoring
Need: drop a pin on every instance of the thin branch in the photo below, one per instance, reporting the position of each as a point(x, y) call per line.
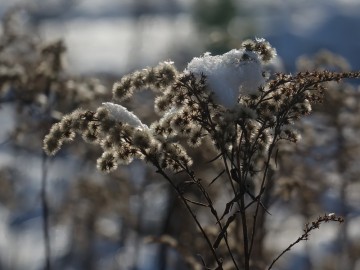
point(314, 225)
point(262, 188)
point(161, 172)
point(245, 233)
point(212, 210)
point(196, 203)
point(220, 174)
point(215, 158)
point(45, 212)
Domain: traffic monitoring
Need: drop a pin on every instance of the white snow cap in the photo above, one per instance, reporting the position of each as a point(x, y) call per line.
point(121, 114)
point(235, 73)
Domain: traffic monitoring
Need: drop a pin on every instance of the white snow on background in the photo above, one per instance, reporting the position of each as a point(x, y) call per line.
point(98, 42)
point(118, 44)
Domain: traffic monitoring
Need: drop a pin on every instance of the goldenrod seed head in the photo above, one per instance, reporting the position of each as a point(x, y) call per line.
point(167, 73)
point(241, 111)
point(124, 89)
point(101, 113)
point(195, 138)
point(106, 125)
point(106, 143)
point(162, 104)
point(291, 134)
point(66, 123)
point(249, 45)
point(107, 162)
point(69, 136)
point(89, 136)
point(150, 76)
point(51, 144)
point(142, 139)
point(56, 131)
point(138, 79)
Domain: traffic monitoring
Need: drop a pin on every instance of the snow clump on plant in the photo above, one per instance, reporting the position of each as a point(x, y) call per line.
point(235, 73)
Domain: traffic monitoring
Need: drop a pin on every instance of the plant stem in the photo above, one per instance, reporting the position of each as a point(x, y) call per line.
point(45, 212)
point(245, 233)
point(160, 171)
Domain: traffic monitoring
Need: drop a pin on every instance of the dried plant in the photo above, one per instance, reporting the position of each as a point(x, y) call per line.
point(308, 228)
point(325, 162)
point(35, 92)
point(224, 103)
point(34, 79)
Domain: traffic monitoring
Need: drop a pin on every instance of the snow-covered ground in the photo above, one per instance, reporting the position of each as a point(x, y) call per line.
point(116, 44)
point(103, 36)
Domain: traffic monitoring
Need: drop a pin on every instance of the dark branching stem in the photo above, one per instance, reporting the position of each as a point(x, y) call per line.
point(262, 187)
point(245, 233)
point(45, 212)
point(186, 203)
point(213, 211)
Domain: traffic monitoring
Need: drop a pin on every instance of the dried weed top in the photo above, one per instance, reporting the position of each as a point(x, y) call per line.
point(225, 98)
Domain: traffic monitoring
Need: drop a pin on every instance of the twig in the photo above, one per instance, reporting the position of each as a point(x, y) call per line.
point(262, 187)
point(161, 172)
point(308, 228)
point(195, 202)
point(45, 212)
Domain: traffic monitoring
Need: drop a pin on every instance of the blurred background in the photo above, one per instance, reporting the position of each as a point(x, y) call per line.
point(58, 55)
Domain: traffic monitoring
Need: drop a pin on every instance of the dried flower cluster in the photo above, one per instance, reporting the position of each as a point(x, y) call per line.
point(223, 99)
point(32, 72)
point(157, 78)
point(32, 76)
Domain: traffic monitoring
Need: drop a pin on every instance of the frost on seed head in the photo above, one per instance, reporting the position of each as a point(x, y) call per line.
point(235, 73)
point(121, 114)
